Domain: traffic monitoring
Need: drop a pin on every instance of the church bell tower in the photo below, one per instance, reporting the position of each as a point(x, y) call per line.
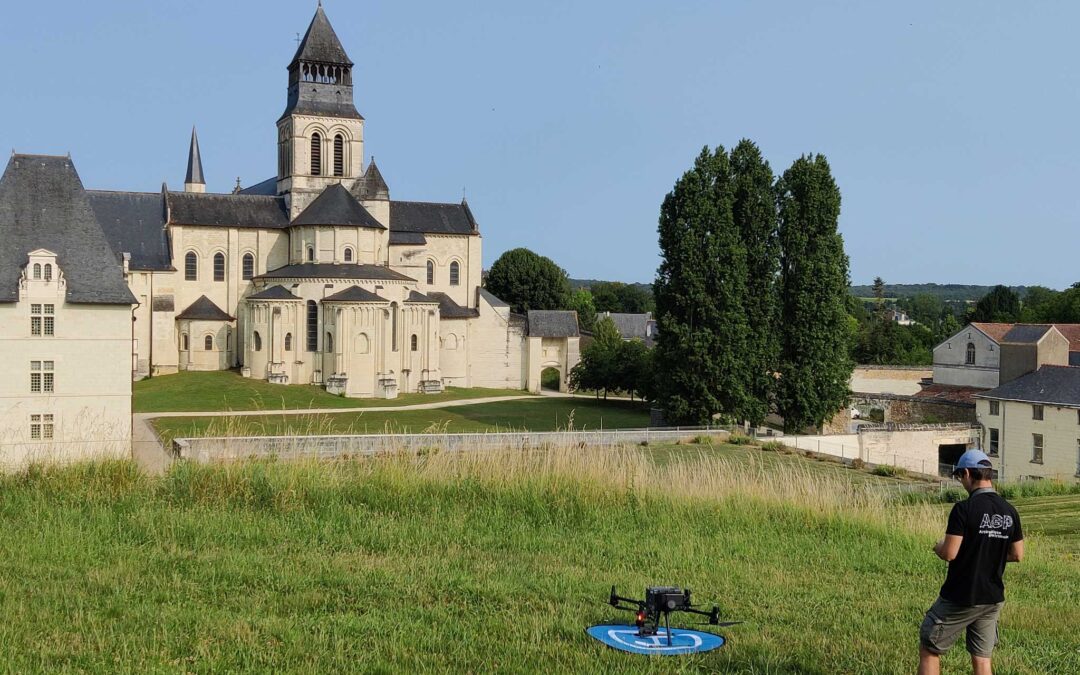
point(320, 134)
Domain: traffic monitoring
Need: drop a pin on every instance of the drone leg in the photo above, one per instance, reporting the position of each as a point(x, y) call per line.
point(667, 627)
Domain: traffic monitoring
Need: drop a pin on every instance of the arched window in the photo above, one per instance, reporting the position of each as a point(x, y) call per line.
point(37, 270)
point(312, 326)
point(328, 346)
point(414, 343)
point(348, 254)
point(311, 254)
point(362, 345)
point(208, 343)
point(184, 343)
point(316, 154)
point(48, 272)
point(219, 267)
point(454, 274)
point(288, 342)
point(191, 266)
point(393, 326)
point(970, 358)
point(430, 273)
point(257, 339)
point(248, 268)
point(450, 342)
point(339, 155)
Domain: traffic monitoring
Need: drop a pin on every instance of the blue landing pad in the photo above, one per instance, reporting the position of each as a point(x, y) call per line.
point(683, 641)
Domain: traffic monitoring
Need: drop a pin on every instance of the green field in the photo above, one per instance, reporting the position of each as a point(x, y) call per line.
point(192, 391)
point(533, 414)
point(487, 562)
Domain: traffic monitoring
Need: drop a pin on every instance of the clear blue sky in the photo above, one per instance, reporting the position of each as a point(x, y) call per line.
point(952, 127)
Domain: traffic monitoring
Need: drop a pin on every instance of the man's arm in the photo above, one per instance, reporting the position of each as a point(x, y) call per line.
point(948, 547)
point(1016, 551)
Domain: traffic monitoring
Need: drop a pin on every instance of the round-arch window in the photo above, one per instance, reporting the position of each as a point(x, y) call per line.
point(248, 267)
point(348, 254)
point(191, 266)
point(219, 267)
point(311, 254)
point(184, 343)
point(454, 273)
point(208, 342)
point(48, 272)
point(339, 155)
point(37, 270)
point(430, 273)
point(288, 342)
point(257, 339)
point(316, 154)
point(413, 343)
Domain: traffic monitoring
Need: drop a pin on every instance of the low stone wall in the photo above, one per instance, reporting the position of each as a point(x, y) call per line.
point(901, 409)
point(224, 449)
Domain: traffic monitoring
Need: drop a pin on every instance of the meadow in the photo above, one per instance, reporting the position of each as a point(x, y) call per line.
point(491, 562)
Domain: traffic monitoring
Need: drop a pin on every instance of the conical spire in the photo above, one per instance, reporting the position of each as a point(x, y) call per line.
point(194, 181)
point(321, 43)
point(371, 185)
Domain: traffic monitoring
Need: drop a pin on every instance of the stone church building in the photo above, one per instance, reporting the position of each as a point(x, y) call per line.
point(313, 276)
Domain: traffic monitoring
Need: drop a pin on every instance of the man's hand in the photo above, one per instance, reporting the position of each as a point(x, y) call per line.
point(948, 547)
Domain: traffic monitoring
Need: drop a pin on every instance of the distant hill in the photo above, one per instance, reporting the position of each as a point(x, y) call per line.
point(947, 292)
point(585, 283)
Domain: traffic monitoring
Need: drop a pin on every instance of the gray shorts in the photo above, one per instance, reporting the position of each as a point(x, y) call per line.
point(945, 621)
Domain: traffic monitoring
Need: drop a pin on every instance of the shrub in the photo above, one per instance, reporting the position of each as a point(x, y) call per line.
point(773, 446)
point(889, 471)
point(740, 439)
point(858, 463)
point(702, 439)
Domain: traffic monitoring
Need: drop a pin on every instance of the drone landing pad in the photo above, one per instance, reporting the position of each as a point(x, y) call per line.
point(683, 641)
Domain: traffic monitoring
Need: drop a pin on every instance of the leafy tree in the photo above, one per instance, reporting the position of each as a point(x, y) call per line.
point(1001, 305)
point(754, 215)
point(949, 326)
point(633, 368)
point(526, 280)
point(615, 296)
point(598, 367)
point(699, 291)
point(879, 294)
point(814, 363)
point(925, 308)
point(1040, 305)
point(581, 301)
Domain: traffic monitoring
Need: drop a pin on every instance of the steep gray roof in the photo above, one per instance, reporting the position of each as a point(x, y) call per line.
point(335, 271)
point(630, 325)
point(448, 309)
point(335, 206)
point(371, 185)
point(273, 293)
point(321, 43)
point(134, 222)
point(194, 161)
point(553, 323)
point(204, 309)
point(407, 238)
point(431, 218)
point(354, 294)
point(189, 208)
point(1025, 333)
point(43, 205)
point(417, 296)
point(267, 188)
point(1050, 385)
point(491, 299)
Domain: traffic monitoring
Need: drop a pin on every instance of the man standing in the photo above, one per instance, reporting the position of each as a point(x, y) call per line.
point(982, 535)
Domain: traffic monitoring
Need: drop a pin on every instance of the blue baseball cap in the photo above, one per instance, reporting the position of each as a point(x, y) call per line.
point(973, 459)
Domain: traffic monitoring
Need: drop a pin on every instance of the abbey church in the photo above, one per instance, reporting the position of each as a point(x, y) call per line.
point(313, 276)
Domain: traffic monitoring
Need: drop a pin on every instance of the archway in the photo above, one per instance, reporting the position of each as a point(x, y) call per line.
point(550, 379)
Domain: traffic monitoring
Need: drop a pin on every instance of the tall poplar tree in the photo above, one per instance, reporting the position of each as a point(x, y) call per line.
point(814, 364)
point(754, 214)
point(699, 292)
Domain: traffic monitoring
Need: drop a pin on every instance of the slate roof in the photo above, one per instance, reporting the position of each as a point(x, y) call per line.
point(190, 208)
point(194, 162)
point(273, 293)
point(553, 323)
point(1049, 385)
point(371, 185)
point(448, 309)
point(335, 271)
point(204, 309)
point(630, 326)
point(431, 218)
point(407, 238)
point(134, 222)
point(354, 294)
point(43, 205)
point(491, 299)
point(321, 43)
point(1023, 333)
point(267, 188)
point(335, 206)
point(417, 296)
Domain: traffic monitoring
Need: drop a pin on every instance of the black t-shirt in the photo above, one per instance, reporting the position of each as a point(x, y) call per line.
point(988, 524)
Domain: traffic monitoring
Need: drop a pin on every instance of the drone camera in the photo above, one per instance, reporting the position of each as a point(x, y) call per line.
point(666, 598)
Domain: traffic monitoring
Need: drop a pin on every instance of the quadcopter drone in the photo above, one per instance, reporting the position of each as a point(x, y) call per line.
point(663, 600)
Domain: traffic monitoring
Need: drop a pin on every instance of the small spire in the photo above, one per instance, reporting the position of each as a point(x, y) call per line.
point(236, 190)
point(194, 163)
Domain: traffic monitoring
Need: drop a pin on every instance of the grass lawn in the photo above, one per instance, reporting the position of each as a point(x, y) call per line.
point(192, 391)
point(533, 414)
point(480, 563)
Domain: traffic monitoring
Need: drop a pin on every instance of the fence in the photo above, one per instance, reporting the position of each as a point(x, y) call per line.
point(221, 449)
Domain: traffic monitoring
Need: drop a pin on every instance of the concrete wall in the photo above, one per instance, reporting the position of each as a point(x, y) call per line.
point(888, 380)
point(1060, 429)
point(91, 357)
point(950, 357)
point(495, 346)
point(914, 448)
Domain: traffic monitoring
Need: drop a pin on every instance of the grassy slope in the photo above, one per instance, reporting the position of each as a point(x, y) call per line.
point(394, 566)
point(226, 390)
point(533, 414)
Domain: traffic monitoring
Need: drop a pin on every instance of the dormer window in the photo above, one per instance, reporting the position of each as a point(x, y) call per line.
point(48, 272)
point(37, 271)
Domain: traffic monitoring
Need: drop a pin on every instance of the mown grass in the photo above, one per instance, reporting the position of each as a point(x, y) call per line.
point(532, 414)
point(482, 562)
point(192, 391)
